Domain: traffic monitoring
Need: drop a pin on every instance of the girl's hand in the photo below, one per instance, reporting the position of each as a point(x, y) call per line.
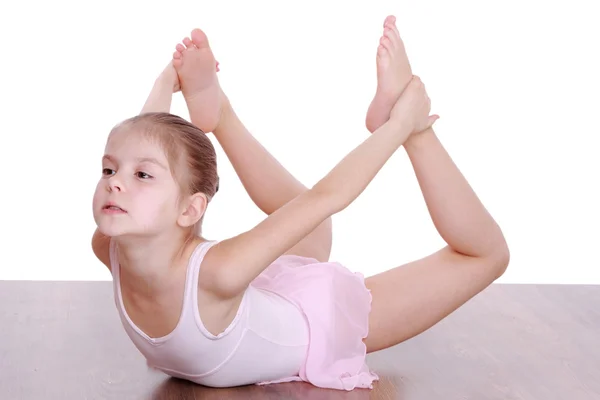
point(413, 107)
point(170, 76)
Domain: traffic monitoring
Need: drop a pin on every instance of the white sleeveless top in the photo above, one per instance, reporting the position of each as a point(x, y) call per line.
point(266, 342)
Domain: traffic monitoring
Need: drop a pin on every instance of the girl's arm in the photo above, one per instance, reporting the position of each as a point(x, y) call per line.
point(159, 99)
point(232, 264)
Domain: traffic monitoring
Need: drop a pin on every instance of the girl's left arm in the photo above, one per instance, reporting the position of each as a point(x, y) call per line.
point(159, 99)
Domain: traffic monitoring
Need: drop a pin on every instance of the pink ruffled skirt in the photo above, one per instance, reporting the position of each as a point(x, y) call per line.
point(336, 304)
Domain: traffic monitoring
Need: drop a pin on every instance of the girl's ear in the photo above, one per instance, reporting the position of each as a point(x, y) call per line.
point(194, 208)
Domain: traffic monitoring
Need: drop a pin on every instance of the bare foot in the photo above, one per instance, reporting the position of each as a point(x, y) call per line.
point(197, 70)
point(393, 75)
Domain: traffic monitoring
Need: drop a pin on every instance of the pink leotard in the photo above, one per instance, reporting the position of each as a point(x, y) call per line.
point(270, 340)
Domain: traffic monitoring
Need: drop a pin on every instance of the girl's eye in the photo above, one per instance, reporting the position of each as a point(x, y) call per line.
point(143, 175)
point(107, 171)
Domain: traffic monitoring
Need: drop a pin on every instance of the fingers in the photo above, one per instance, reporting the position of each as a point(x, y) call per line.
point(420, 91)
point(415, 105)
point(420, 87)
point(417, 82)
point(417, 86)
point(432, 120)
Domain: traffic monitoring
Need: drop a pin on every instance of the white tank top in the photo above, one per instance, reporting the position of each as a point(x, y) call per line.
point(266, 342)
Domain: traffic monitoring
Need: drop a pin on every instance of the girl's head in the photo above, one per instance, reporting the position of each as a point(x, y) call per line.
point(159, 172)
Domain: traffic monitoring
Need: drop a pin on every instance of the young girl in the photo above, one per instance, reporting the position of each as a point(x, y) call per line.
point(267, 305)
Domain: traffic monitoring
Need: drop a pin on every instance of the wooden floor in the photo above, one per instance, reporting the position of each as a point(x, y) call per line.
point(63, 340)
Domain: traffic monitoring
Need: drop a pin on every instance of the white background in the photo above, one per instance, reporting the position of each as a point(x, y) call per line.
point(516, 85)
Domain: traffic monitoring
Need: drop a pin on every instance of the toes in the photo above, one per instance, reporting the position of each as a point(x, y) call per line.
point(393, 27)
point(391, 33)
point(381, 51)
point(177, 60)
point(387, 43)
point(188, 43)
point(389, 20)
point(199, 38)
point(178, 55)
point(391, 30)
point(395, 30)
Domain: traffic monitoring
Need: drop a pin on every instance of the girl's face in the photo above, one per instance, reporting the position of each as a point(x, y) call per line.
point(137, 193)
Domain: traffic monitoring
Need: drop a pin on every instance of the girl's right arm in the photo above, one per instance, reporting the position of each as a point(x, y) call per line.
point(232, 264)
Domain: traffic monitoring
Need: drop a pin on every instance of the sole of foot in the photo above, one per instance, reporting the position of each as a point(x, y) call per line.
point(197, 69)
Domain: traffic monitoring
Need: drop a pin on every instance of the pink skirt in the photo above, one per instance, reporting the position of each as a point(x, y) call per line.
point(336, 304)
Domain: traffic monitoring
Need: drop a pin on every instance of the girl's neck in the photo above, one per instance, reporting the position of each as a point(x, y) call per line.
point(149, 264)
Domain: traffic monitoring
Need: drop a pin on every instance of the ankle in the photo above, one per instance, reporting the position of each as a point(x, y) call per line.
point(418, 140)
point(227, 116)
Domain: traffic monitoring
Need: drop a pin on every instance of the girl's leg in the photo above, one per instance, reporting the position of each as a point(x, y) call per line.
point(267, 182)
point(412, 298)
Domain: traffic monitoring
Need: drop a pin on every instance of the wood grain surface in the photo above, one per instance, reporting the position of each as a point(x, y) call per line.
point(64, 340)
